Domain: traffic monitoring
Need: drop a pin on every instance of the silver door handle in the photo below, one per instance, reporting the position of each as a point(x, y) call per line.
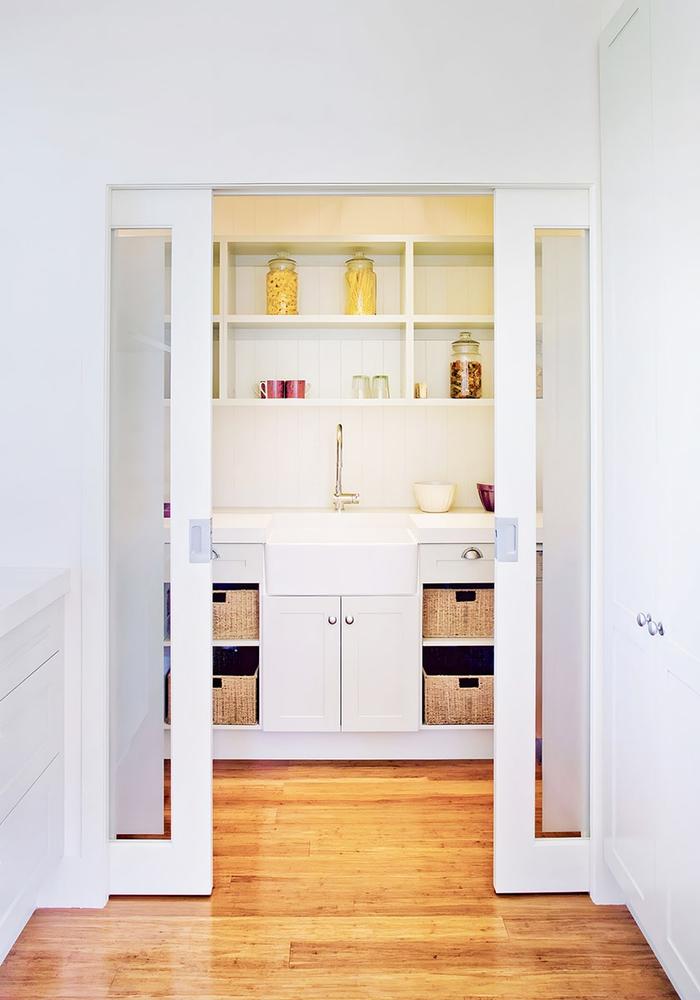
point(472, 553)
point(332, 620)
point(654, 628)
point(349, 620)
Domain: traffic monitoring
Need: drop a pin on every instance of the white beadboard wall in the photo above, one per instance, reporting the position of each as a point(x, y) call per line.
point(286, 457)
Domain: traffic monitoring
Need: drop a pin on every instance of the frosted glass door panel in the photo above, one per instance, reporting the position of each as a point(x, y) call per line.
point(542, 487)
point(562, 388)
point(139, 432)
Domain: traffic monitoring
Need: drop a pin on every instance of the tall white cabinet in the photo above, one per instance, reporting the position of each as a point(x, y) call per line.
point(650, 91)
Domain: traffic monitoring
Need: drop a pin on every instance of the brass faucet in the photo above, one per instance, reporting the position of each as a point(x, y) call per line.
point(340, 499)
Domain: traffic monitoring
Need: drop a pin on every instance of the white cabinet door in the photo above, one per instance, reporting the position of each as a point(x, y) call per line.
point(301, 664)
point(676, 93)
point(381, 664)
point(631, 698)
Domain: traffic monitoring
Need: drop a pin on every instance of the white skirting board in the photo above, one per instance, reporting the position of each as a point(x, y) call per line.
point(446, 744)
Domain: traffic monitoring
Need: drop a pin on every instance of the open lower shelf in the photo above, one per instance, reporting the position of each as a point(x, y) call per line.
point(424, 725)
point(453, 641)
point(229, 643)
point(230, 728)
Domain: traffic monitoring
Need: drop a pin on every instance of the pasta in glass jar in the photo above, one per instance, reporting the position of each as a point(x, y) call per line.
point(360, 286)
point(282, 287)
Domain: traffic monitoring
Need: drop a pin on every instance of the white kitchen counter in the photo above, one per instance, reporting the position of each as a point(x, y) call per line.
point(25, 592)
point(456, 526)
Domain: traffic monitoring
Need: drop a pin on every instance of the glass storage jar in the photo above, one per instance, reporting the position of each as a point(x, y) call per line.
point(465, 368)
point(360, 285)
point(282, 286)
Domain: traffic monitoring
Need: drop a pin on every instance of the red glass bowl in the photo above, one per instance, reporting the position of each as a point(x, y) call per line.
point(487, 496)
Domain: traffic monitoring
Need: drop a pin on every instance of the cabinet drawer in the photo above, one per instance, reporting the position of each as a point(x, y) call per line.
point(237, 563)
point(449, 563)
point(28, 646)
point(31, 727)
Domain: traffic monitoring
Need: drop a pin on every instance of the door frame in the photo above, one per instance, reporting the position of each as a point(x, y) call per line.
point(88, 882)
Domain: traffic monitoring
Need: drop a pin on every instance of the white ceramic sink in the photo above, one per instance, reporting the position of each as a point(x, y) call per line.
point(349, 553)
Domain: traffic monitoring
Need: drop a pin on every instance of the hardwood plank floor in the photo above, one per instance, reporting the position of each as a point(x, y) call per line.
point(342, 881)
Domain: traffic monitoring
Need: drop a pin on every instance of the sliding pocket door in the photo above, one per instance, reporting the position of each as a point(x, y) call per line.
point(160, 575)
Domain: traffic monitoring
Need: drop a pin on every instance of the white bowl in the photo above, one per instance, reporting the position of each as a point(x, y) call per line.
point(434, 498)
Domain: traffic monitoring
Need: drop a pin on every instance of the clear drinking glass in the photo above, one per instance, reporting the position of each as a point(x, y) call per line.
point(380, 387)
point(361, 387)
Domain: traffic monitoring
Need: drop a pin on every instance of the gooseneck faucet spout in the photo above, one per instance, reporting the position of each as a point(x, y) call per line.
point(340, 498)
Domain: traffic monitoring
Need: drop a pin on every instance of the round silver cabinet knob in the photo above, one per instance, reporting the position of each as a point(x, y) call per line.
point(655, 628)
point(349, 619)
point(472, 553)
point(643, 619)
point(332, 620)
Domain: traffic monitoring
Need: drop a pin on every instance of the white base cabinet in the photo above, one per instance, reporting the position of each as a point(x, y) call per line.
point(332, 664)
point(301, 671)
point(31, 741)
point(381, 676)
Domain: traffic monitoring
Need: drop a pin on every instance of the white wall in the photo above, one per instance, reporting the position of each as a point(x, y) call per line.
point(148, 91)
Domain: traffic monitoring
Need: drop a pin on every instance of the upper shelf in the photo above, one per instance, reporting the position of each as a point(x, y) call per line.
point(379, 321)
point(419, 244)
point(315, 321)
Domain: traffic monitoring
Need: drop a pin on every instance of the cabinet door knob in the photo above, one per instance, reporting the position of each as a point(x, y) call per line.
point(655, 628)
point(332, 620)
point(643, 619)
point(472, 553)
point(349, 619)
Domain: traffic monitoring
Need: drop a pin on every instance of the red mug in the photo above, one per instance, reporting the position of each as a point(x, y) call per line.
point(271, 388)
point(295, 388)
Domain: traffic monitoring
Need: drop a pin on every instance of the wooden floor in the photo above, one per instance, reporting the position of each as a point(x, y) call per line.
point(336, 882)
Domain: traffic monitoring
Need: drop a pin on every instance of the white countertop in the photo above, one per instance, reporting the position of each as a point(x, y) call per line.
point(462, 524)
point(25, 592)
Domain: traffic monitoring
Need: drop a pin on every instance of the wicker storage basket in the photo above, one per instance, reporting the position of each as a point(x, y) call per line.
point(235, 700)
point(235, 612)
point(461, 612)
point(454, 700)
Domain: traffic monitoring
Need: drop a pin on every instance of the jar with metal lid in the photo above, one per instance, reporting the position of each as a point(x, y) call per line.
point(465, 368)
point(282, 287)
point(360, 286)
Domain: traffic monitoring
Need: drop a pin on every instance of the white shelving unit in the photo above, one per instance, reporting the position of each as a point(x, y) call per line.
point(428, 289)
